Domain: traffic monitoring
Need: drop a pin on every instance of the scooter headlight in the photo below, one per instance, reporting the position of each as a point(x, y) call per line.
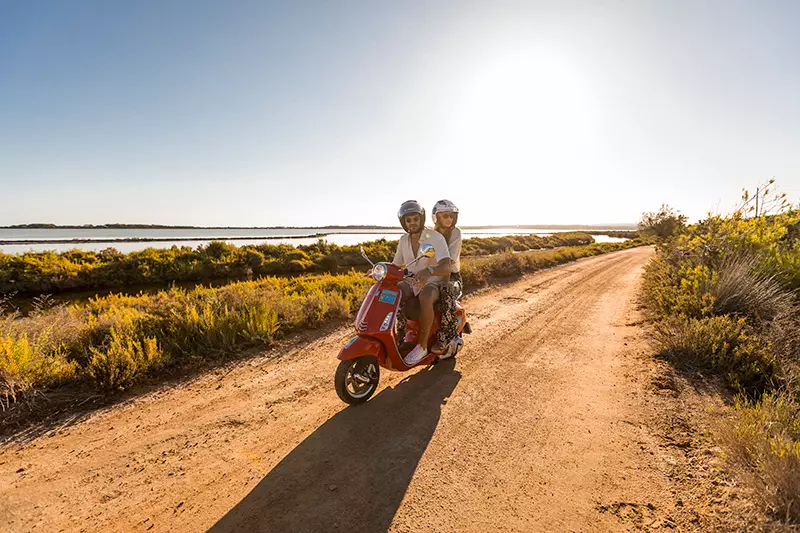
point(379, 272)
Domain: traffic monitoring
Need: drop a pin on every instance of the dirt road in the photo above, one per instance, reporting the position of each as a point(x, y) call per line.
point(544, 423)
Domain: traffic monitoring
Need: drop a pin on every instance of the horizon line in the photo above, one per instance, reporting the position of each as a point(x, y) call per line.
point(45, 225)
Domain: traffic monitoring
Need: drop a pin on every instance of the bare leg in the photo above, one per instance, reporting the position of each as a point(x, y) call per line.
point(428, 297)
point(406, 292)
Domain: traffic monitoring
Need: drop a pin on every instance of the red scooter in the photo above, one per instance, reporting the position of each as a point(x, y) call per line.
point(375, 344)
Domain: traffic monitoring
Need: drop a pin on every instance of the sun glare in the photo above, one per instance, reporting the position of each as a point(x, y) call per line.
point(522, 100)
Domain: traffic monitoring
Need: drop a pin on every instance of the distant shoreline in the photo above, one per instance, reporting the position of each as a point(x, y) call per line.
point(78, 240)
point(103, 240)
point(111, 240)
point(156, 226)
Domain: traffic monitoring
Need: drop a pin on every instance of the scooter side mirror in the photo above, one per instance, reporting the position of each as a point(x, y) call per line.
point(365, 256)
point(427, 250)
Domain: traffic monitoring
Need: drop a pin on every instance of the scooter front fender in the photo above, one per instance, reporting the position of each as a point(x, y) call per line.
point(358, 346)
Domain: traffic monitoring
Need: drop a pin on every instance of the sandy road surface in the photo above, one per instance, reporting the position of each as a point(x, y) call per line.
point(540, 425)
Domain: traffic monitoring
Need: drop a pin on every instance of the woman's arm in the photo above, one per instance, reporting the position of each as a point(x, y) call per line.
point(455, 247)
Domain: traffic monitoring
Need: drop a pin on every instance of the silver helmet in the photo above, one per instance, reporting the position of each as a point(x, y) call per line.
point(445, 206)
point(408, 207)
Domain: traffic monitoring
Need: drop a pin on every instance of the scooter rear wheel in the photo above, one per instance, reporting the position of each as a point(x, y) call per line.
point(357, 379)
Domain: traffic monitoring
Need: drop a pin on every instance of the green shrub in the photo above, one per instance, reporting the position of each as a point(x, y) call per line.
point(126, 358)
point(663, 224)
point(260, 324)
point(26, 365)
point(717, 288)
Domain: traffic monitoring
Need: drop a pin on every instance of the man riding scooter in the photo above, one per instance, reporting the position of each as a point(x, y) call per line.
point(429, 272)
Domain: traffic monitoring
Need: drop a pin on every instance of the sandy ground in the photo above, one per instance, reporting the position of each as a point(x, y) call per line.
point(554, 417)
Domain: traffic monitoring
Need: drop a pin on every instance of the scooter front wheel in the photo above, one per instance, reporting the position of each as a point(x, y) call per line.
point(357, 379)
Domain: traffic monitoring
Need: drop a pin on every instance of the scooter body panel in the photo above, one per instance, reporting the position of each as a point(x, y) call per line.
point(375, 323)
point(362, 345)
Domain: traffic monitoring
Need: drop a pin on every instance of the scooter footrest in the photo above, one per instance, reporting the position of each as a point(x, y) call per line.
point(405, 348)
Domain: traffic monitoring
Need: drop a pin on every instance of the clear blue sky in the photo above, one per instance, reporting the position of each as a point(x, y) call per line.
point(312, 113)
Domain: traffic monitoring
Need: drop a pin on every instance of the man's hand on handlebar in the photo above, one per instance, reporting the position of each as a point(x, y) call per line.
point(423, 274)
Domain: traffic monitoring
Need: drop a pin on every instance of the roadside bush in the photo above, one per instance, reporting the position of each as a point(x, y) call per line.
point(723, 343)
point(765, 440)
point(718, 280)
point(115, 340)
point(260, 324)
point(723, 294)
point(127, 357)
point(26, 366)
point(783, 336)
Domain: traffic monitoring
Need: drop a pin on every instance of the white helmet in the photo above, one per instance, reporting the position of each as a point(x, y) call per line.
point(410, 206)
point(445, 206)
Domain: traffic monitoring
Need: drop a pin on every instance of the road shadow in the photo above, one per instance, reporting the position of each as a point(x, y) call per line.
point(701, 379)
point(352, 473)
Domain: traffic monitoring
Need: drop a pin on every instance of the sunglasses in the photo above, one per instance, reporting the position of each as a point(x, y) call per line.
point(446, 215)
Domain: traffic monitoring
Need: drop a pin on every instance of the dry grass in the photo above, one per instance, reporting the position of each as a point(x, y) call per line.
point(740, 289)
point(764, 440)
point(115, 340)
point(784, 337)
point(26, 365)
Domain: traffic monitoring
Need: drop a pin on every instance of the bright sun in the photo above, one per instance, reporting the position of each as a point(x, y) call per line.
point(522, 100)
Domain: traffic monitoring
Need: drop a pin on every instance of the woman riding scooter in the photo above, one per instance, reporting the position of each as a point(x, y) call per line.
point(445, 220)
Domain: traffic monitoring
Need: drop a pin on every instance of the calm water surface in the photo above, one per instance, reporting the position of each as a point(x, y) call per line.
point(180, 237)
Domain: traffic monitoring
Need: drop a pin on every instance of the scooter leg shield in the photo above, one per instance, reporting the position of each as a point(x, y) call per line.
point(461, 316)
point(358, 346)
point(412, 332)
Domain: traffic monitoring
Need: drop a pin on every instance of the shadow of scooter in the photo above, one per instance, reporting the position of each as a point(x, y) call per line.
point(352, 473)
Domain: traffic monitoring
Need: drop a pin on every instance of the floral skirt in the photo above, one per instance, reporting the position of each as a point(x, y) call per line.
point(448, 295)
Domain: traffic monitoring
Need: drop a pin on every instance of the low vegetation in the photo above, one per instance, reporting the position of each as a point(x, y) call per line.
point(35, 273)
point(111, 342)
point(619, 234)
point(724, 297)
